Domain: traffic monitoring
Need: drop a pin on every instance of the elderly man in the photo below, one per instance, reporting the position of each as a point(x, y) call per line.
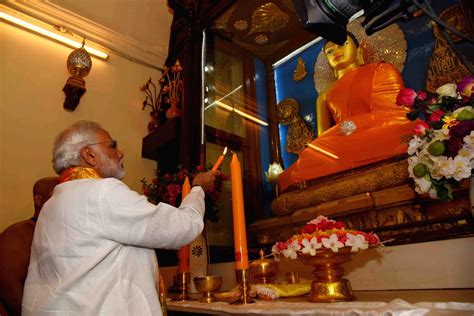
point(15, 249)
point(92, 252)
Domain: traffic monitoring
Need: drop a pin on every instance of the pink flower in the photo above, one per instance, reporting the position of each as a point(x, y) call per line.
point(421, 128)
point(422, 95)
point(406, 97)
point(466, 86)
point(174, 190)
point(437, 115)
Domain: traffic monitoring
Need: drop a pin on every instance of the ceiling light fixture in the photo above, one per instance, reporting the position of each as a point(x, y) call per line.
point(42, 30)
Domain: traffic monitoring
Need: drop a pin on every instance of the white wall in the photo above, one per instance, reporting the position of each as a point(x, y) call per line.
point(444, 264)
point(32, 75)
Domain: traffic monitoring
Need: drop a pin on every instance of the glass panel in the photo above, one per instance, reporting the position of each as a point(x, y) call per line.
point(224, 92)
point(235, 116)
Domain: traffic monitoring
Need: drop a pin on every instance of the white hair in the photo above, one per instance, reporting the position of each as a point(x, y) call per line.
point(68, 144)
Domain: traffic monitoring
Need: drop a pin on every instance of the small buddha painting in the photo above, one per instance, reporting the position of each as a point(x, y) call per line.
point(298, 132)
point(300, 71)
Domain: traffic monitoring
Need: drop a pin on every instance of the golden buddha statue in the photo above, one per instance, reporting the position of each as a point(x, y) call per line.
point(368, 123)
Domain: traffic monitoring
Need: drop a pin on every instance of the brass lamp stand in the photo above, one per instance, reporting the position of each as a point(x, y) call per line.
point(243, 277)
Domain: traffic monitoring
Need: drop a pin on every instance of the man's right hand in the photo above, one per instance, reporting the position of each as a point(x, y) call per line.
point(206, 179)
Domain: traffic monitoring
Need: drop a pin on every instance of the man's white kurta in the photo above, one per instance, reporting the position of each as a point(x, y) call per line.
point(92, 251)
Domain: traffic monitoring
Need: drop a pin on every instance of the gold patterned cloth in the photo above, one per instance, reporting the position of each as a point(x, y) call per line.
point(76, 173)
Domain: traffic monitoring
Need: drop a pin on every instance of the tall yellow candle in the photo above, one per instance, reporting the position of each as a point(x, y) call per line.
point(183, 252)
point(238, 212)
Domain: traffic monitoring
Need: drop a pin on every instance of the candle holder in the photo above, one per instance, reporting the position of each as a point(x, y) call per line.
point(243, 277)
point(183, 280)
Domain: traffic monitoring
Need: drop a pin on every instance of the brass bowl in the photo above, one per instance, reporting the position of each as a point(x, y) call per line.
point(207, 285)
point(263, 270)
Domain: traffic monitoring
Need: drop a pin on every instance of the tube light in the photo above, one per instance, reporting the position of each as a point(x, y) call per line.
point(52, 35)
point(323, 151)
point(243, 114)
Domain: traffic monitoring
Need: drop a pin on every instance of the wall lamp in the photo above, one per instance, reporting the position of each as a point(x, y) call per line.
point(34, 26)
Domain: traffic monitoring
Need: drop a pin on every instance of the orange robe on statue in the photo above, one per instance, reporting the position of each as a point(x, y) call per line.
point(365, 95)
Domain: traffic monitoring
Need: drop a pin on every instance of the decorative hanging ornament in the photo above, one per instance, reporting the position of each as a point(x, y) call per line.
point(79, 64)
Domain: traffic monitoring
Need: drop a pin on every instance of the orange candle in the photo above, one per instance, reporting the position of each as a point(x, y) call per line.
point(183, 252)
point(238, 212)
point(219, 160)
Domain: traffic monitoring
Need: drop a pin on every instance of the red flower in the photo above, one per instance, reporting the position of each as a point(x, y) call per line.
point(406, 97)
point(422, 95)
point(308, 229)
point(421, 128)
point(437, 115)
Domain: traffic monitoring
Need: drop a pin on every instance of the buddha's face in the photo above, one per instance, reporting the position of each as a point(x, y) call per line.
point(341, 56)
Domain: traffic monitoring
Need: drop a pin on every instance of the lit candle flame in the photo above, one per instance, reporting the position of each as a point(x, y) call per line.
point(219, 160)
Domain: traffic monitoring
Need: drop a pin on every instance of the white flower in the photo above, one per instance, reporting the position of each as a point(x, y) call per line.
point(415, 143)
point(422, 185)
point(319, 219)
point(290, 251)
point(273, 172)
point(448, 90)
point(311, 246)
point(356, 242)
point(445, 166)
point(332, 242)
point(469, 139)
point(463, 168)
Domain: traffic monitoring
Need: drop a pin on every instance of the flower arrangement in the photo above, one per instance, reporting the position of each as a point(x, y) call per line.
point(167, 187)
point(171, 88)
point(441, 152)
point(323, 233)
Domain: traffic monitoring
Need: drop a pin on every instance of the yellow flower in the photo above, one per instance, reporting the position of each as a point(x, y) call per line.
point(450, 121)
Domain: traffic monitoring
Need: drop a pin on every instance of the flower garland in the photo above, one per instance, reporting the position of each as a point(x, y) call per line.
point(323, 233)
point(441, 152)
point(167, 187)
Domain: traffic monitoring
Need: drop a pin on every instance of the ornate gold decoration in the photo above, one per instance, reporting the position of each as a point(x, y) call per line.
point(387, 45)
point(366, 179)
point(223, 19)
point(445, 66)
point(260, 50)
point(329, 285)
point(261, 39)
point(300, 71)
point(298, 133)
point(241, 25)
point(268, 18)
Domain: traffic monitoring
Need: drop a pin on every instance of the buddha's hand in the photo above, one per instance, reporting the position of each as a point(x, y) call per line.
point(206, 179)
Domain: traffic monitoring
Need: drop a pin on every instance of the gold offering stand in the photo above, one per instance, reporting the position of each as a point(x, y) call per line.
point(329, 285)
